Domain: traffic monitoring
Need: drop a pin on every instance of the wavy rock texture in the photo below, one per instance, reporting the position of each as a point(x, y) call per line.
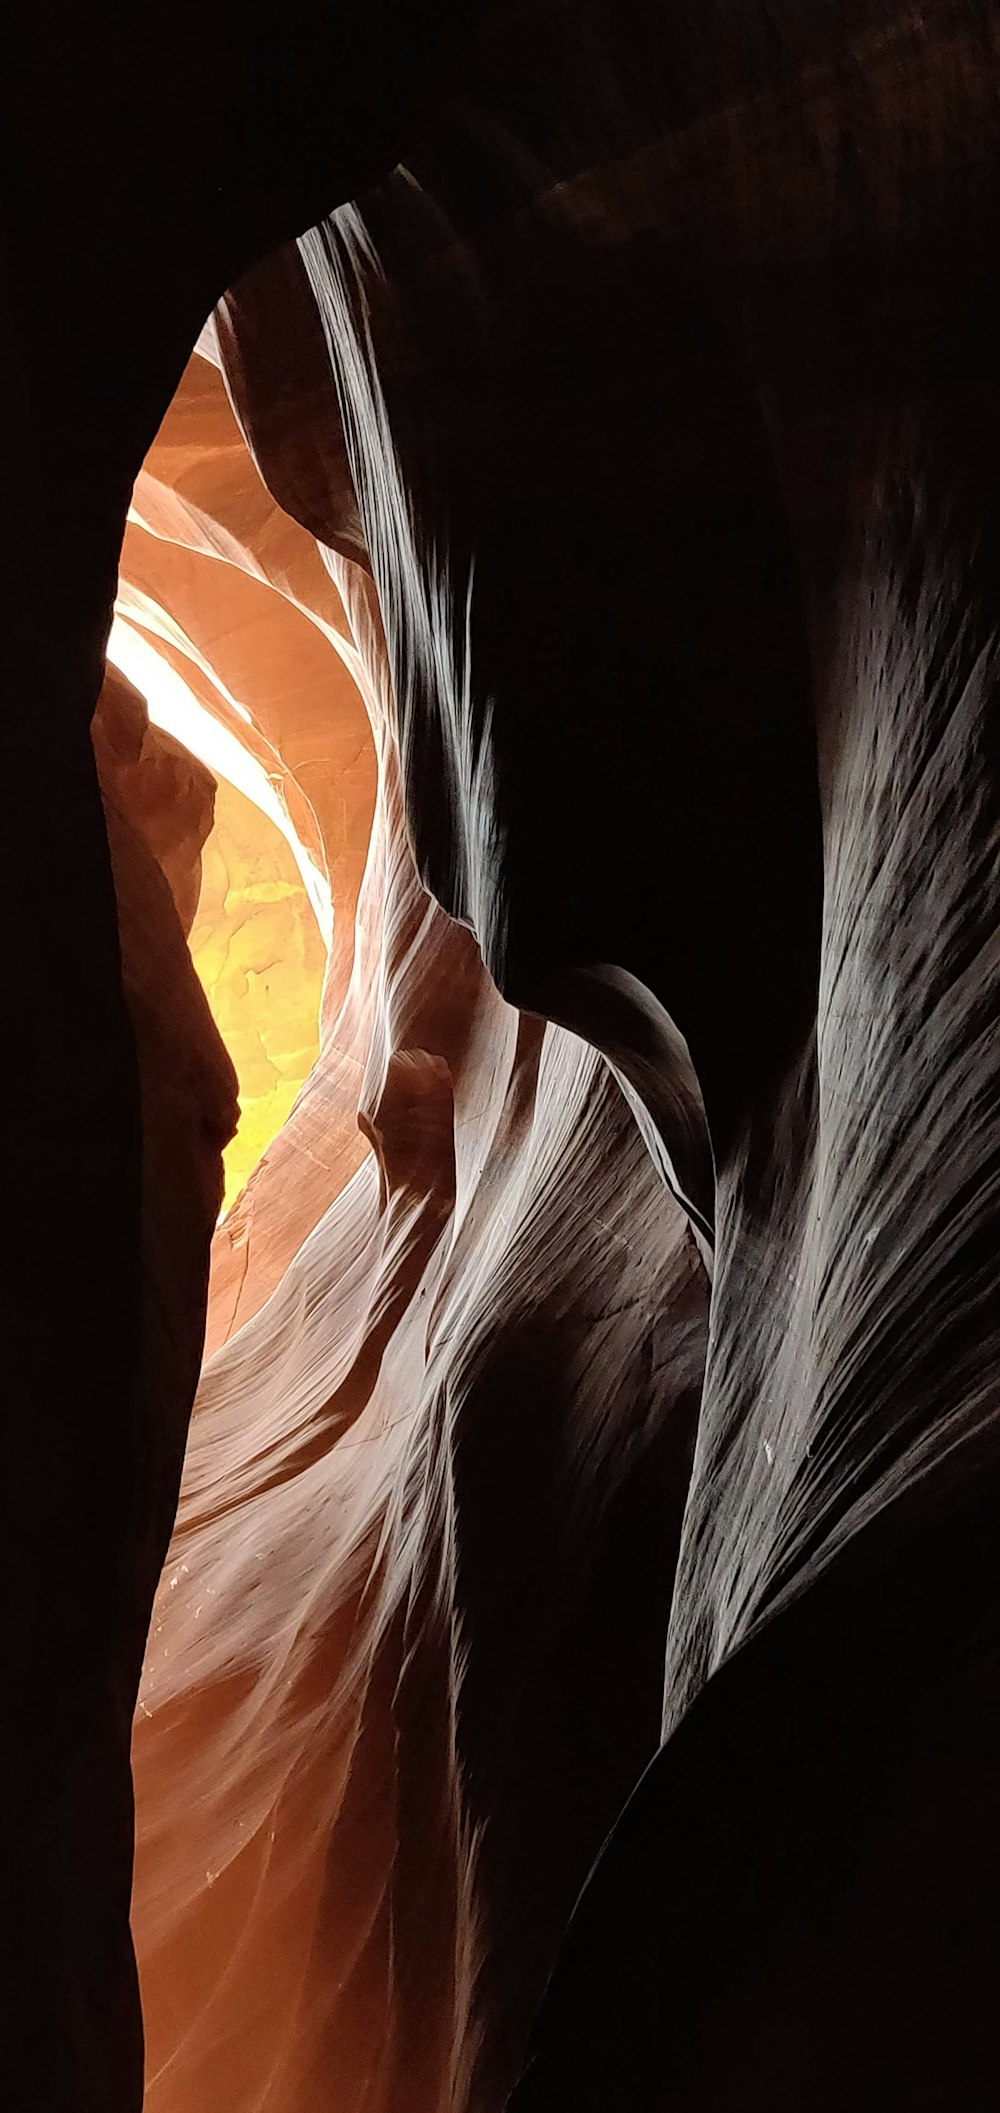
point(113, 252)
point(352, 1862)
point(157, 805)
point(633, 457)
point(235, 597)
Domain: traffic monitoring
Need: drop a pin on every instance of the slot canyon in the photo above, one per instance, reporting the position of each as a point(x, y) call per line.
point(501, 1480)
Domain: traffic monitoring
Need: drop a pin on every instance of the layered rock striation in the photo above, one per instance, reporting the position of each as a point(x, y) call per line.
point(573, 1679)
point(353, 1860)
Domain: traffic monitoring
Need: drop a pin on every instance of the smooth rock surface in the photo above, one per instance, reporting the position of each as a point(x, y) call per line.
point(631, 440)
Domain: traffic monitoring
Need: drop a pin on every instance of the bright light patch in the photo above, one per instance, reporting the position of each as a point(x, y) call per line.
point(264, 920)
point(178, 711)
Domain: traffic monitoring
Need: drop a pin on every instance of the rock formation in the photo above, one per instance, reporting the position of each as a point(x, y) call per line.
point(364, 1609)
point(573, 1677)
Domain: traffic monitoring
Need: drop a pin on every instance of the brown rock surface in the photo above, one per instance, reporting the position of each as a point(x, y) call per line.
point(236, 598)
point(157, 805)
point(317, 1772)
point(113, 251)
point(632, 560)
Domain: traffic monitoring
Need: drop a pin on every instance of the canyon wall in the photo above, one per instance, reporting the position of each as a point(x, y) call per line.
point(406, 1656)
point(573, 1680)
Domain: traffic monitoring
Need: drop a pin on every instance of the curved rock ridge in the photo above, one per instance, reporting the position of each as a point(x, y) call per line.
point(157, 804)
point(256, 914)
point(571, 1683)
point(352, 1866)
point(236, 599)
point(792, 738)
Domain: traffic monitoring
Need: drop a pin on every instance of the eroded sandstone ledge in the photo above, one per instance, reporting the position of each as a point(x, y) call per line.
point(596, 518)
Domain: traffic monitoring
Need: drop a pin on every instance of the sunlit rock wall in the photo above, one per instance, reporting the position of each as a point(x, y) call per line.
point(259, 953)
point(234, 597)
point(406, 1657)
point(627, 419)
point(600, 570)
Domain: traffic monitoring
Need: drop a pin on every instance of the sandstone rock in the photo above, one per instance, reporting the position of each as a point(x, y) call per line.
point(620, 634)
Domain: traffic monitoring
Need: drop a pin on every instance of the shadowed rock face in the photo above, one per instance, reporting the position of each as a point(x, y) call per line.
point(598, 1443)
point(407, 1654)
point(69, 1822)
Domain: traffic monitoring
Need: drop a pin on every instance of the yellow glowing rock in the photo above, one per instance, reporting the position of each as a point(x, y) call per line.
point(260, 957)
